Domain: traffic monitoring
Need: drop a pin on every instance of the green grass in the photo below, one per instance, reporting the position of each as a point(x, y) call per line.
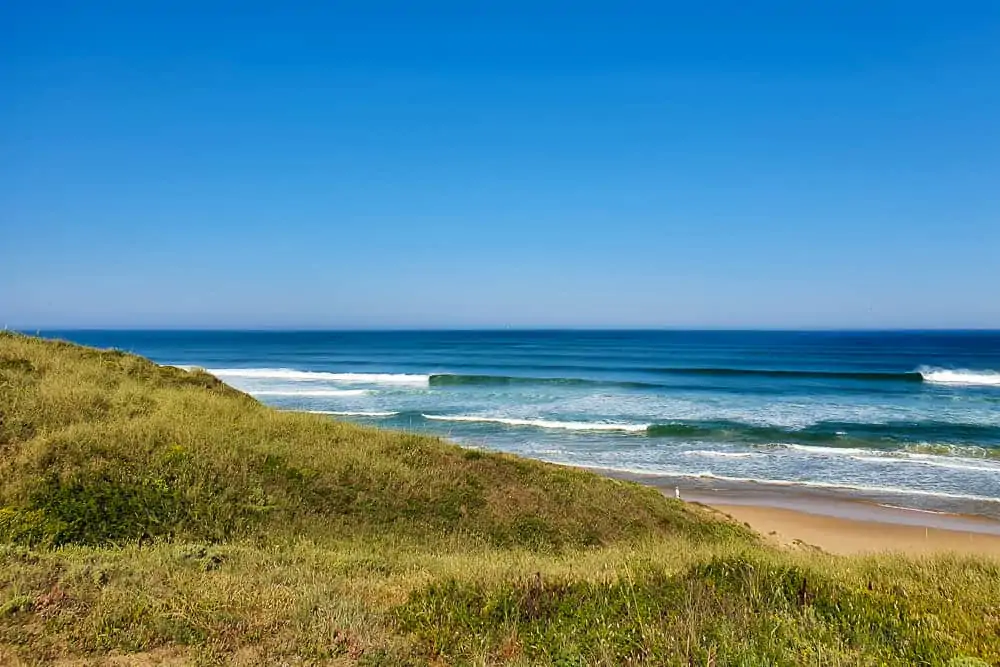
point(104, 447)
point(153, 515)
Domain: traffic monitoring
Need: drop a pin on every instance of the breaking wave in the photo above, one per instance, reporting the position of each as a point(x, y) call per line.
point(318, 393)
point(960, 376)
point(542, 423)
point(353, 413)
point(318, 376)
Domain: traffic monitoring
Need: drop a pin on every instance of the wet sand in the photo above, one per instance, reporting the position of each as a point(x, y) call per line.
point(837, 523)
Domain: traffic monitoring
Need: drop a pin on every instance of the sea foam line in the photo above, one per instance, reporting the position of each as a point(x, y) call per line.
point(319, 376)
point(352, 413)
point(892, 456)
point(723, 455)
point(819, 449)
point(784, 482)
point(853, 487)
point(927, 462)
point(311, 392)
point(542, 423)
point(914, 509)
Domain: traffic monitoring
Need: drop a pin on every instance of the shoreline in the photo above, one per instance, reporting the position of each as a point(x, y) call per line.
point(837, 520)
point(845, 537)
point(834, 522)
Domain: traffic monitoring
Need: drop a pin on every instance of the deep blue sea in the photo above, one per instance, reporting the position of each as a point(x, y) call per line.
point(905, 418)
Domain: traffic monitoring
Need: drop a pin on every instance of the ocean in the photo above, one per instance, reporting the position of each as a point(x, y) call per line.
point(909, 419)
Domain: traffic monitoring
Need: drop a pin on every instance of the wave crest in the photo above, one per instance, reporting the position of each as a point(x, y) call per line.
point(317, 393)
point(318, 376)
point(353, 413)
point(542, 423)
point(929, 374)
point(960, 376)
point(806, 374)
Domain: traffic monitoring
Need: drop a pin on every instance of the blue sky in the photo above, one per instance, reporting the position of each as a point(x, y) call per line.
point(726, 164)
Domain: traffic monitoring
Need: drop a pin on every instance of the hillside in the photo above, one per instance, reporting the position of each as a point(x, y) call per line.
point(101, 447)
point(150, 515)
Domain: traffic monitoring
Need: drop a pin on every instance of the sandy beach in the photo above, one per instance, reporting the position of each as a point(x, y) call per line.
point(853, 536)
point(837, 523)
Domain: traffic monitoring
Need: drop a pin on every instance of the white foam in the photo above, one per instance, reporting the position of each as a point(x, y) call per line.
point(959, 376)
point(920, 450)
point(927, 461)
point(311, 392)
point(723, 455)
point(817, 449)
point(352, 413)
point(913, 509)
point(543, 423)
point(784, 482)
point(319, 376)
point(853, 487)
point(894, 456)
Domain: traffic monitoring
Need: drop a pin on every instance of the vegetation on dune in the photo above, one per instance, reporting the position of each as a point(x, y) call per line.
point(155, 515)
point(734, 609)
point(101, 447)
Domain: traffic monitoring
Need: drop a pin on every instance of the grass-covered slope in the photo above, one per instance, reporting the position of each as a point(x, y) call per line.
point(152, 515)
point(99, 446)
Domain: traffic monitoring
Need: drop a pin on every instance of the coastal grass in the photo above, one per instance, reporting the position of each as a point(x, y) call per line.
point(152, 515)
point(104, 447)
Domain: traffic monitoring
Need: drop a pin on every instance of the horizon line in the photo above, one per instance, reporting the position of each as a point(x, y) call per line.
point(496, 329)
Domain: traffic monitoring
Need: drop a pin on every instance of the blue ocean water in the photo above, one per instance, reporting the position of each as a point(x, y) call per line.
point(908, 418)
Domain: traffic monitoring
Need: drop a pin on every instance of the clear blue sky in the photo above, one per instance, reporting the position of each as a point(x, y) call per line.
point(719, 164)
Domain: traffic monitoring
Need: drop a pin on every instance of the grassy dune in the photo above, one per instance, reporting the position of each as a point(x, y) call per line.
point(153, 515)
